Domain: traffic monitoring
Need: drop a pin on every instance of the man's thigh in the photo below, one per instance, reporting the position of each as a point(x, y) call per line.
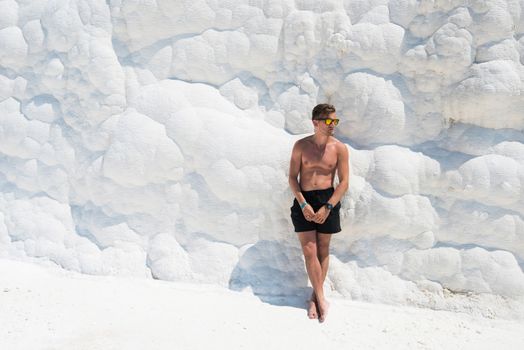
point(307, 238)
point(323, 240)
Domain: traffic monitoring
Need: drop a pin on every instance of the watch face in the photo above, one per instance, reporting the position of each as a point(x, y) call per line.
point(329, 206)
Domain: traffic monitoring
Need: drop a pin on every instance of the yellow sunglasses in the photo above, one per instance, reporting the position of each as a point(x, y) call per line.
point(328, 121)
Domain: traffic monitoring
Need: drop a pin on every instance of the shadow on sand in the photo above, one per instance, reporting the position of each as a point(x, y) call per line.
point(274, 271)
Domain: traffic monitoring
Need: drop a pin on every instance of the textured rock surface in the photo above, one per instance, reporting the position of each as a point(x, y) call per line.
point(153, 139)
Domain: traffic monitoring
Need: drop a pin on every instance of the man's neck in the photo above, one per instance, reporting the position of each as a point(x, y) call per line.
point(320, 140)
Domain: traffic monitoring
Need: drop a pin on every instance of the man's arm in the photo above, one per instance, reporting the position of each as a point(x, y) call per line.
point(294, 170)
point(343, 174)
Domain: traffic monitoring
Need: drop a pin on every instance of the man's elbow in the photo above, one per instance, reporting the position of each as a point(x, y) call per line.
point(344, 184)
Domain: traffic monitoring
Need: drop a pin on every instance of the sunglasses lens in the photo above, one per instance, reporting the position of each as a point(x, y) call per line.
point(329, 121)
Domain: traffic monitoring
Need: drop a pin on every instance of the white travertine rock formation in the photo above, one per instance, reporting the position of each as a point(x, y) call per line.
point(152, 139)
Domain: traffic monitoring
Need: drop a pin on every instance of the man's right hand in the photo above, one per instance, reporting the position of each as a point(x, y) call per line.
point(308, 212)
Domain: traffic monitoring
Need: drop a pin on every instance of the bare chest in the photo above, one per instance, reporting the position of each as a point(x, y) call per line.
point(319, 159)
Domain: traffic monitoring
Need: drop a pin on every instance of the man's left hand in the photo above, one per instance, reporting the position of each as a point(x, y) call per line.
point(321, 215)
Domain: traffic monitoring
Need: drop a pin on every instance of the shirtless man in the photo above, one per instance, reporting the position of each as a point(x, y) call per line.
point(315, 210)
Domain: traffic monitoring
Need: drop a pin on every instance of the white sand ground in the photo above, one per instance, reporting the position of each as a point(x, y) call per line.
point(43, 308)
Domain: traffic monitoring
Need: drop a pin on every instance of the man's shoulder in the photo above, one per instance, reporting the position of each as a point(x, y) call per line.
point(335, 141)
point(341, 146)
point(303, 140)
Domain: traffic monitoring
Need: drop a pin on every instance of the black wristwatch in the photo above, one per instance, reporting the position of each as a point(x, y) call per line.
point(329, 206)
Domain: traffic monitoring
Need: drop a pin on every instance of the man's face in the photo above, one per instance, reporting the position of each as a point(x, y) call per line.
point(326, 123)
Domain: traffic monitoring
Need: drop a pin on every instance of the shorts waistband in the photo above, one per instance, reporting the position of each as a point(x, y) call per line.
point(318, 191)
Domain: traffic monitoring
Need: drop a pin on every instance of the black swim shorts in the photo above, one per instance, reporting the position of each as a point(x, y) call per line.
point(316, 199)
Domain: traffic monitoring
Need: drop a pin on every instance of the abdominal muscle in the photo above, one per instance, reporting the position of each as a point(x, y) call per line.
point(316, 179)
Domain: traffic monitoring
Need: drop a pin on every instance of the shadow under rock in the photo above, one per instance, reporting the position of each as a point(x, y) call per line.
point(275, 272)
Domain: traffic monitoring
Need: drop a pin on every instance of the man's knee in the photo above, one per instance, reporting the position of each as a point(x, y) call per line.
point(322, 253)
point(323, 246)
point(310, 250)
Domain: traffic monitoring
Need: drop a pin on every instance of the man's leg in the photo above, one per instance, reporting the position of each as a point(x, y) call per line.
point(323, 240)
point(308, 241)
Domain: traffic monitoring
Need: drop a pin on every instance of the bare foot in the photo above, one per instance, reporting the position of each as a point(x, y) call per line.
point(312, 310)
point(323, 307)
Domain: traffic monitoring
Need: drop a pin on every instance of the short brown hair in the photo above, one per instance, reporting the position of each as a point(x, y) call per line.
point(322, 109)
